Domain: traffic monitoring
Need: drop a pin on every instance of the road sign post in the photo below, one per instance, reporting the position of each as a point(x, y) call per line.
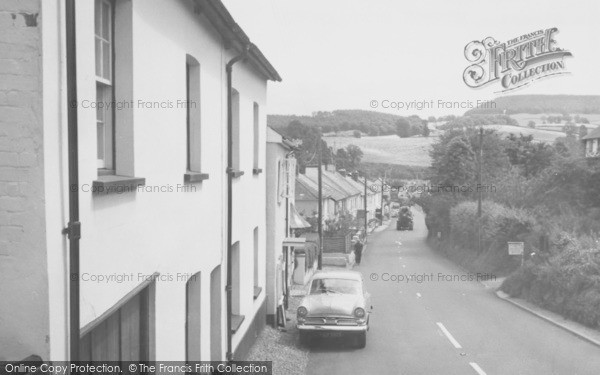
point(517, 248)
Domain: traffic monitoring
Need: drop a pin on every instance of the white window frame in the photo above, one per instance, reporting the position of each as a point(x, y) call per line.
point(104, 85)
point(193, 115)
point(256, 134)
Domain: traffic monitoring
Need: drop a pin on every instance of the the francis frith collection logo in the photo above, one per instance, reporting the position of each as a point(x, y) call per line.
point(515, 63)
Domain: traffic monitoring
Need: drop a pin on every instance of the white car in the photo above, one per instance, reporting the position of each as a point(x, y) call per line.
point(336, 305)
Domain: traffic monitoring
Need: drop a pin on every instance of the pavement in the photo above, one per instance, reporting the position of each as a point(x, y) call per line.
point(431, 317)
point(586, 333)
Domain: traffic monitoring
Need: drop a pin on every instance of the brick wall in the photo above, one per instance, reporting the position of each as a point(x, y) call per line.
point(23, 267)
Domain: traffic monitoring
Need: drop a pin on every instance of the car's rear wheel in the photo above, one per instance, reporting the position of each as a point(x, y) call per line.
point(361, 340)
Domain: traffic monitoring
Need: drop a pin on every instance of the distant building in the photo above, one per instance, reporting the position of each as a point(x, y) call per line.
point(282, 220)
point(307, 193)
point(590, 143)
point(151, 115)
point(350, 195)
point(373, 196)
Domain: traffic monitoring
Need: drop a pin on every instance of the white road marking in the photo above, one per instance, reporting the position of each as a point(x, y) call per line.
point(419, 295)
point(477, 368)
point(404, 266)
point(449, 336)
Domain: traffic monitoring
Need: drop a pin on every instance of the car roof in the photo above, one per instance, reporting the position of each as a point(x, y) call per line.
point(338, 274)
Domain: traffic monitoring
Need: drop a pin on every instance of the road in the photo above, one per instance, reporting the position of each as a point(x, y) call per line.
point(445, 327)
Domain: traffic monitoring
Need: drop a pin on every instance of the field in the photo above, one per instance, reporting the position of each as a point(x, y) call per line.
point(541, 135)
point(524, 118)
point(414, 151)
point(389, 149)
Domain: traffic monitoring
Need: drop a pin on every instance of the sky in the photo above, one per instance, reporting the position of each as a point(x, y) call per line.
point(351, 54)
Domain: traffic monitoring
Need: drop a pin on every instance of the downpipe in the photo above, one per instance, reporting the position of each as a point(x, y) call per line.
point(230, 171)
point(73, 229)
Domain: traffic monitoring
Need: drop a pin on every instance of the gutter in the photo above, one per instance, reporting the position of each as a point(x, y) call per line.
point(73, 229)
point(230, 174)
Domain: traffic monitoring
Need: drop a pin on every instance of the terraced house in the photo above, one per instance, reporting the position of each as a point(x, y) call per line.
point(133, 134)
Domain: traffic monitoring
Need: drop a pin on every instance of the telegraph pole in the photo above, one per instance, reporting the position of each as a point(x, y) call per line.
point(320, 205)
point(382, 185)
point(479, 187)
point(366, 220)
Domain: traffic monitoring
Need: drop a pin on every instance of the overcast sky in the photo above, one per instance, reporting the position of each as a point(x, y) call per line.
point(342, 54)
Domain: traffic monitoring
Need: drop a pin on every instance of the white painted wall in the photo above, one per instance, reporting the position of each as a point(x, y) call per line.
point(140, 233)
point(276, 217)
point(249, 192)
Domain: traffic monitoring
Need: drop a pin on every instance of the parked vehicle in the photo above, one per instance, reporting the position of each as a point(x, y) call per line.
point(405, 219)
point(336, 305)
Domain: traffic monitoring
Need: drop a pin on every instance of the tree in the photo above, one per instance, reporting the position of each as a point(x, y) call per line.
point(348, 158)
point(530, 157)
point(341, 159)
point(531, 124)
point(583, 131)
point(355, 155)
point(357, 134)
point(431, 119)
point(456, 167)
point(307, 155)
point(570, 129)
point(403, 128)
point(425, 130)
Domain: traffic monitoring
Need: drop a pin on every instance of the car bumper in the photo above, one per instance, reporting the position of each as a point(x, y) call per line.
point(329, 328)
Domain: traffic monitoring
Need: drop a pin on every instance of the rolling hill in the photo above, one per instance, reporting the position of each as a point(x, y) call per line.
point(414, 151)
point(584, 104)
point(389, 149)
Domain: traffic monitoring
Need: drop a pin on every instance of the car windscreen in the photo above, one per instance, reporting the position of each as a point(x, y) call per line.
point(339, 286)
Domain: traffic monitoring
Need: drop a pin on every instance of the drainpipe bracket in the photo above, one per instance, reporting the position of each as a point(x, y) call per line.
point(73, 230)
point(228, 288)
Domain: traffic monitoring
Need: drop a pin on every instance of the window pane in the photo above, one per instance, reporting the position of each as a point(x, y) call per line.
point(98, 17)
point(105, 21)
point(99, 99)
point(106, 61)
point(100, 140)
point(98, 58)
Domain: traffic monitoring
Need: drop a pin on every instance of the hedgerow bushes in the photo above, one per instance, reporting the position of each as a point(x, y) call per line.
point(567, 283)
point(543, 195)
point(499, 224)
point(456, 220)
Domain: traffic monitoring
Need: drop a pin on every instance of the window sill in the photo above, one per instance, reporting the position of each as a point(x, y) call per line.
point(236, 173)
point(236, 322)
point(192, 177)
point(257, 291)
point(256, 171)
point(106, 184)
point(105, 172)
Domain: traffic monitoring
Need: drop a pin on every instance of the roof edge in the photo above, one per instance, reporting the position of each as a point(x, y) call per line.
point(221, 19)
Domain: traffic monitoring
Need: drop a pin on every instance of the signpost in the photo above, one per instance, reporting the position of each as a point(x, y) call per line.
point(517, 248)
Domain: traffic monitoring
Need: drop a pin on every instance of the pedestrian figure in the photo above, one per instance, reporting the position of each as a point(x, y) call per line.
point(358, 248)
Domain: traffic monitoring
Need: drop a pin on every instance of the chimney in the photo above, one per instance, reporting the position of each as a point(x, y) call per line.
point(342, 172)
point(355, 176)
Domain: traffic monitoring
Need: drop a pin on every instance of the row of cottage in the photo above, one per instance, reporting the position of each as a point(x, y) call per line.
point(147, 211)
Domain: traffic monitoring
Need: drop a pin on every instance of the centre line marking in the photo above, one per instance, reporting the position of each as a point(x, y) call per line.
point(477, 368)
point(449, 336)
